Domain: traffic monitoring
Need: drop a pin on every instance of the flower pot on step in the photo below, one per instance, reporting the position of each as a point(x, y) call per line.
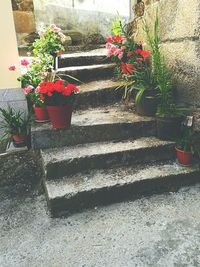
point(41, 114)
point(19, 140)
point(184, 157)
point(60, 116)
point(148, 104)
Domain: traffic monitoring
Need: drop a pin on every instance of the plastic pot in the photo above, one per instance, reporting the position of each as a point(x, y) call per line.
point(148, 104)
point(19, 140)
point(60, 116)
point(184, 157)
point(41, 114)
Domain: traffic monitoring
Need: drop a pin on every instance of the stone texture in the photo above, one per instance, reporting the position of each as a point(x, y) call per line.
point(179, 32)
point(87, 73)
point(17, 166)
point(96, 56)
point(162, 230)
point(89, 189)
point(24, 22)
point(22, 5)
point(75, 35)
point(93, 125)
point(59, 162)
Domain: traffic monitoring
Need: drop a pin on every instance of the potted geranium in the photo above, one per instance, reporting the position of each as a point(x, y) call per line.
point(33, 96)
point(58, 98)
point(15, 126)
point(187, 146)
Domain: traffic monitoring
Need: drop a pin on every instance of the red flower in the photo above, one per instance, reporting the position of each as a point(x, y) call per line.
point(139, 59)
point(143, 53)
point(127, 68)
point(72, 87)
point(114, 39)
point(129, 54)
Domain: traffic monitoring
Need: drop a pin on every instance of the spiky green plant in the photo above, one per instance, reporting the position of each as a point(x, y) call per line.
point(13, 122)
point(161, 73)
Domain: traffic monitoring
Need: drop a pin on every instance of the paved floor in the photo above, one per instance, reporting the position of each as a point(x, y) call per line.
point(159, 231)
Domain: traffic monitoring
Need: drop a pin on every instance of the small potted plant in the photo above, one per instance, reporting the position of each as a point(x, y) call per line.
point(58, 98)
point(33, 96)
point(15, 126)
point(187, 146)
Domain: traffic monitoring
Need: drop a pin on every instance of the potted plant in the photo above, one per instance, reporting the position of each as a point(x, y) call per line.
point(168, 118)
point(15, 126)
point(134, 69)
point(58, 98)
point(187, 146)
point(33, 97)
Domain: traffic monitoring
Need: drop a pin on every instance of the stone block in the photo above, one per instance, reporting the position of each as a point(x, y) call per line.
point(68, 41)
point(22, 5)
point(184, 60)
point(177, 19)
point(24, 22)
point(75, 35)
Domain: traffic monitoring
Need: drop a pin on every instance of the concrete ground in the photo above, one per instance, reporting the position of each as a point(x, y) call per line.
point(162, 230)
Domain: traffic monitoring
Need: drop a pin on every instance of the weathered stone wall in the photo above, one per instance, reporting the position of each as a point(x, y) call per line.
point(23, 12)
point(179, 31)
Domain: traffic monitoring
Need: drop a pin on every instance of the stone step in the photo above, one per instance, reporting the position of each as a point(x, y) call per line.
point(93, 125)
point(59, 162)
point(102, 187)
point(87, 73)
point(98, 93)
point(97, 56)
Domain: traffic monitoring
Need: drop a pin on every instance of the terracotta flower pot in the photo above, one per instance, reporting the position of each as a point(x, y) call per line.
point(184, 157)
point(19, 140)
point(60, 116)
point(41, 114)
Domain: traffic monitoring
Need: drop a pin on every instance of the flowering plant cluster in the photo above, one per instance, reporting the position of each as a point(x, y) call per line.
point(57, 93)
point(50, 42)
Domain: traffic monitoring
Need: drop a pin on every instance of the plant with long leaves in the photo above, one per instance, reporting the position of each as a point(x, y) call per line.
point(161, 74)
point(13, 123)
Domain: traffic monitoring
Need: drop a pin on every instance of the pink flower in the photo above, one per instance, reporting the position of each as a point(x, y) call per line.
point(25, 62)
point(120, 56)
point(12, 68)
point(37, 90)
point(28, 89)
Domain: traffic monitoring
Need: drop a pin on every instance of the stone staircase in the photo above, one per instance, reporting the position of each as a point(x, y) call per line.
point(109, 154)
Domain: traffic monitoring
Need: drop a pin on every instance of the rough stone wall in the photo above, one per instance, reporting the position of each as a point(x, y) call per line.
point(23, 12)
point(179, 31)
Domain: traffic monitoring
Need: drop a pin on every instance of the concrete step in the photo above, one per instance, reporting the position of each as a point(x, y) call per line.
point(97, 56)
point(93, 125)
point(59, 162)
point(87, 73)
point(102, 187)
point(98, 93)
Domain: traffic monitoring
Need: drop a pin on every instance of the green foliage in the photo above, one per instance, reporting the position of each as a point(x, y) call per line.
point(50, 42)
point(117, 26)
point(14, 122)
point(189, 141)
point(162, 76)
